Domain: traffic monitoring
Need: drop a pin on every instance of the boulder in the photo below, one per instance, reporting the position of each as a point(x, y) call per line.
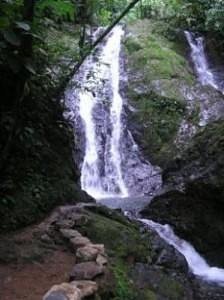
point(70, 233)
point(99, 247)
point(64, 291)
point(86, 271)
point(101, 260)
point(87, 253)
point(79, 241)
point(87, 288)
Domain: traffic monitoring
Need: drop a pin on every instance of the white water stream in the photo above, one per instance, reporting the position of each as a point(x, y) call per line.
point(90, 174)
point(196, 263)
point(112, 166)
point(198, 56)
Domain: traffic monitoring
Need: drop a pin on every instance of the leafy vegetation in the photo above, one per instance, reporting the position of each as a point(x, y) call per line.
point(203, 15)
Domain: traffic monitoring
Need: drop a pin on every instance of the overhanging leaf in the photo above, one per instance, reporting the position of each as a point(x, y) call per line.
point(23, 26)
point(42, 51)
point(30, 68)
point(14, 63)
point(11, 38)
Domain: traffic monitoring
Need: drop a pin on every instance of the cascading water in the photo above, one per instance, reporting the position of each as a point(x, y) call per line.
point(196, 263)
point(111, 164)
point(90, 173)
point(198, 56)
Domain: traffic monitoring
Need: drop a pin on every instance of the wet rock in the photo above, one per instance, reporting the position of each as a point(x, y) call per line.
point(194, 217)
point(167, 256)
point(87, 288)
point(64, 291)
point(167, 286)
point(86, 271)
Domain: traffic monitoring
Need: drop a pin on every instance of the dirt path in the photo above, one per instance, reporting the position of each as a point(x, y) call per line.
point(30, 264)
point(32, 280)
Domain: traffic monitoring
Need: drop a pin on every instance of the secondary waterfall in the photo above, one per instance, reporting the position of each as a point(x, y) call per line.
point(198, 56)
point(111, 164)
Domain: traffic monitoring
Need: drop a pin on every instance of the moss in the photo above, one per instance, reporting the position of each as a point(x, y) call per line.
point(61, 42)
point(58, 9)
point(149, 49)
point(161, 117)
point(125, 246)
point(171, 289)
point(149, 295)
point(209, 141)
point(159, 75)
point(124, 288)
point(121, 240)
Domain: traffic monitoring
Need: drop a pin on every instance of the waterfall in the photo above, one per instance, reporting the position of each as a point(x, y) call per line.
point(198, 56)
point(91, 181)
point(112, 165)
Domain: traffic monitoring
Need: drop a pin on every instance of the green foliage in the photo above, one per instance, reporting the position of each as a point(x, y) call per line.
point(9, 11)
point(124, 289)
point(56, 9)
point(203, 15)
point(104, 12)
point(215, 17)
point(13, 32)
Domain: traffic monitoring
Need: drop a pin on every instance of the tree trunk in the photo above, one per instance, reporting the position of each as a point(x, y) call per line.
point(28, 15)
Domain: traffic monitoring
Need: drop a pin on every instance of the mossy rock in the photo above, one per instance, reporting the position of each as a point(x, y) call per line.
point(160, 80)
point(154, 54)
point(122, 239)
point(161, 117)
point(125, 246)
point(159, 75)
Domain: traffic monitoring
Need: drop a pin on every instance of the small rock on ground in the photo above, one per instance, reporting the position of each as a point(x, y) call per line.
point(86, 271)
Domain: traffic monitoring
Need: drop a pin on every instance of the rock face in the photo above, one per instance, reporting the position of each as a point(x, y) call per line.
point(167, 104)
point(197, 212)
point(179, 125)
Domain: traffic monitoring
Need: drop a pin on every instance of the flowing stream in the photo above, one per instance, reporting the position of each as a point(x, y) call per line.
point(113, 169)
